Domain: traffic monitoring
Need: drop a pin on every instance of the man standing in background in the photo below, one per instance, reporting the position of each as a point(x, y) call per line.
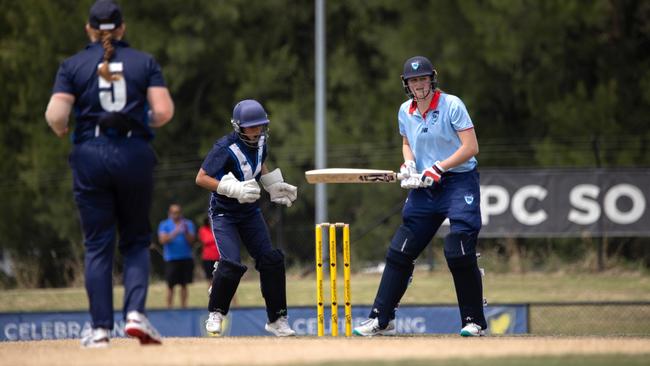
point(176, 235)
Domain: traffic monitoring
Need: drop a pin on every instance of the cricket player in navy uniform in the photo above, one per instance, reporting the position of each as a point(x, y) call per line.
point(231, 171)
point(438, 145)
point(118, 94)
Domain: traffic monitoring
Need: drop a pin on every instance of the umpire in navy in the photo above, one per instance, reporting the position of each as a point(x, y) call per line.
point(118, 95)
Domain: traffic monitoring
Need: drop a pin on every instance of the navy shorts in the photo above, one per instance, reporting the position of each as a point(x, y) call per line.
point(179, 272)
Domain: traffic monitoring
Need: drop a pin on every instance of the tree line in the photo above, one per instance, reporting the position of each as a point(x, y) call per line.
point(547, 83)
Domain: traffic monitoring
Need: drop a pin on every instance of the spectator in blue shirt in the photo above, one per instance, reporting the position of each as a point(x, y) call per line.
point(176, 235)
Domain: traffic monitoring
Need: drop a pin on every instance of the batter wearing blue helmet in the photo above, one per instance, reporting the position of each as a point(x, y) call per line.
point(231, 171)
point(118, 95)
point(439, 170)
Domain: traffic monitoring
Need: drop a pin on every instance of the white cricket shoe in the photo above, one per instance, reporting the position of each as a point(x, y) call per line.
point(370, 327)
point(472, 330)
point(97, 338)
point(138, 326)
point(213, 323)
point(280, 327)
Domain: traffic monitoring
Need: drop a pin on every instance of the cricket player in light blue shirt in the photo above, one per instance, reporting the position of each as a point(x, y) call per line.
point(439, 170)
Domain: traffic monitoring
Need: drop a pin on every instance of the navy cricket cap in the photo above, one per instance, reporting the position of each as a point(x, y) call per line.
point(249, 113)
point(417, 66)
point(105, 15)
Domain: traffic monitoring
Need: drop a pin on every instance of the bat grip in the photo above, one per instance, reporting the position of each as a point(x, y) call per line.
point(400, 176)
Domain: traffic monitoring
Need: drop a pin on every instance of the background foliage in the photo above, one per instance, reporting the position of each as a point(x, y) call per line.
point(547, 83)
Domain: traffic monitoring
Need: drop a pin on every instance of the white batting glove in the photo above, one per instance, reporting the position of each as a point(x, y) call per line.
point(409, 175)
point(280, 192)
point(245, 192)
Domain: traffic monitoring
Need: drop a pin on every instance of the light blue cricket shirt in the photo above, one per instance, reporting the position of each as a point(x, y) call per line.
point(434, 137)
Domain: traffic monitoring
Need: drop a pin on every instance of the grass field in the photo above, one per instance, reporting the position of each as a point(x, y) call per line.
point(582, 360)
point(427, 287)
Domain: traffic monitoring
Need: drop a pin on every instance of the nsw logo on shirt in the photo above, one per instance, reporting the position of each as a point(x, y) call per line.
point(434, 119)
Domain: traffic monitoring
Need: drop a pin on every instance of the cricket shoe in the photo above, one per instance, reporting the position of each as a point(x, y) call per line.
point(138, 326)
point(97, 338)
point(280, 327)
point(370, 327)
point(472, 330)
point(213, 323)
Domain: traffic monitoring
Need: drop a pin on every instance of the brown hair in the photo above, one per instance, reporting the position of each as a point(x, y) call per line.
point(105, 37)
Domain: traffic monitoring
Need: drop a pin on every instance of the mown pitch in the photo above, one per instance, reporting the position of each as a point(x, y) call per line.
point(311, 350)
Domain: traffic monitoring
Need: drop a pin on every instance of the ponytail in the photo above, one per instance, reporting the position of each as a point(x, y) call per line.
point(106, 38)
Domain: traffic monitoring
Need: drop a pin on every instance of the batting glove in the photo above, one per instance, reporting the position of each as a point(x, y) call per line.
point(408, 169)
point(409, 175)
point(245, 192)
point(431, 176)
point(280, 192)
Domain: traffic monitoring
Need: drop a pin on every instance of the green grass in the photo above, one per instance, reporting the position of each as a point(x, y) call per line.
point(583, 360)
point(427, 287)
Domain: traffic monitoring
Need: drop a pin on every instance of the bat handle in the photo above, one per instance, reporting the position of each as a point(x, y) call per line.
point(400, 176)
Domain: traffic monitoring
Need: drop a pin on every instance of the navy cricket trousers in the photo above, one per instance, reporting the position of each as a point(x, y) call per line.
point(232, 230)
point(113, 184)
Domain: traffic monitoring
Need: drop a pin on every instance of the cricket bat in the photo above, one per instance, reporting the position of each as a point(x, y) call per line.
point(349, 175)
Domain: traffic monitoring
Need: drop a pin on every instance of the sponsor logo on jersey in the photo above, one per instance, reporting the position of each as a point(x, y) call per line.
point(469, 199)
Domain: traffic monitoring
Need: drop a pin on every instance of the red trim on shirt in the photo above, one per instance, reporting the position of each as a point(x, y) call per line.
point(432, 106)
point(465, 129)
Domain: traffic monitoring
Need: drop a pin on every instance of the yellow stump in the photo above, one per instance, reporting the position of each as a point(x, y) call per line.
point(335, 309)
point(347, 294)
point(319, 281)
point(333, 277)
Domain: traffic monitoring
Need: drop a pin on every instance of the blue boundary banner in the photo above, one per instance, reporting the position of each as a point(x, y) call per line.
point(414, 319)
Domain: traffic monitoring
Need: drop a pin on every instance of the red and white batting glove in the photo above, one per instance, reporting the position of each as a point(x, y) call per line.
point(431, 176)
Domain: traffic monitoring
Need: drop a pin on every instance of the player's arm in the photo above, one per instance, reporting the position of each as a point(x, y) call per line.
point(406, 150)
point(58, 112)
point(203, 180)
point(161, 104)
point(408, 171)
point(245, 192)
point(468, 148)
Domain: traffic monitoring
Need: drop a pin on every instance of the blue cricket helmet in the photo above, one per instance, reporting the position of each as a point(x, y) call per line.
point(249, 113)
point(418, 66)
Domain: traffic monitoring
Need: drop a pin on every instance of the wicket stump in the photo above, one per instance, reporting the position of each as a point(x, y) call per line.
point(333, 275)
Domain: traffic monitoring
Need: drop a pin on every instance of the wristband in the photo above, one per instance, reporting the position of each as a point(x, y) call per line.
point(438, 168)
